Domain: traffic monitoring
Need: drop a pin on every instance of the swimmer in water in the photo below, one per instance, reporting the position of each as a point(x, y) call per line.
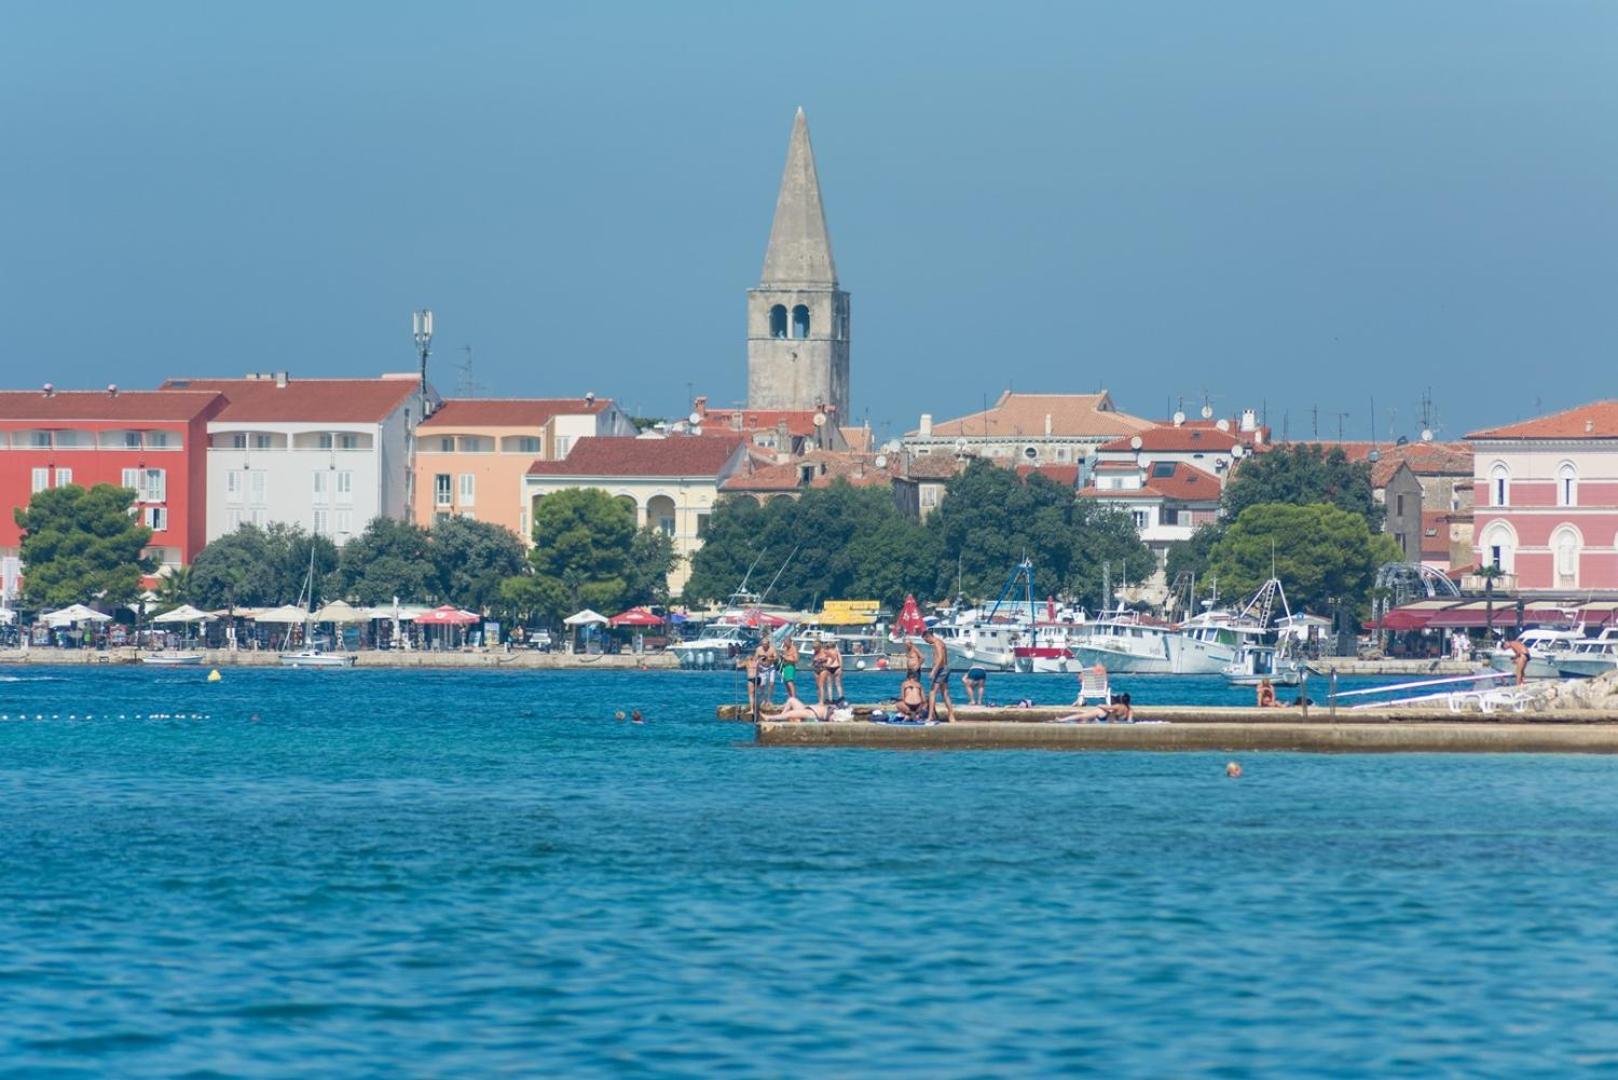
point(1233, 770)
point(636, 718)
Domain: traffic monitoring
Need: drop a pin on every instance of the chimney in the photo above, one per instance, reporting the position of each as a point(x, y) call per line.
point(280, 380)
point(1249, 420)
point(926, 425)
point(700, 405)
point(1047, 424)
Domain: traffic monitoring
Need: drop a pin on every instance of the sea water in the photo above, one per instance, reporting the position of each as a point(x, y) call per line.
point(372, 873)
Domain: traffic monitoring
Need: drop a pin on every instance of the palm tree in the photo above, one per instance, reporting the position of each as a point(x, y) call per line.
point(175, 588)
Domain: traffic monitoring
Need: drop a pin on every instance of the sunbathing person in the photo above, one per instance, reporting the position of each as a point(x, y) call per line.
point(798, 711)
point(1120, 711)
point(912, 699)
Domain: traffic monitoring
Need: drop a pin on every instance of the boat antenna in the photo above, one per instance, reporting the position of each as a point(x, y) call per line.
point(742, 587)
point(779, 572)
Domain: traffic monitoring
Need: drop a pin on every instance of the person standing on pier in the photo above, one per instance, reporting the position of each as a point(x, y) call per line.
point(789, 666)
point(766, 669)
point(912, 660)
point(939, 690)
point(1519, 659)
point(834, 673)
point(749, 664)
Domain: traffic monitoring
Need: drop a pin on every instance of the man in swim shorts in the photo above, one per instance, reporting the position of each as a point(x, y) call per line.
point(939, 688)
point(974, 681)
point(789, 666)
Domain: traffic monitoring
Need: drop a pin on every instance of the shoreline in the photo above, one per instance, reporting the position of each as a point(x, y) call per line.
point(379, 659)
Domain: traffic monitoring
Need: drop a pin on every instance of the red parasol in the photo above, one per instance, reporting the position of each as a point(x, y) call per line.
point(635, 617)
point(447, 616)
point(909, 620)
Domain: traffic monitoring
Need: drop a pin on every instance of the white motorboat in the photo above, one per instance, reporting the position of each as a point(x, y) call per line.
point(173, 659)
point(717, 646)
point(1256, 661)
point(991, 646)
point(1590, 657)
point(1124, 645)
point(1547, 648)
point(314, 658)
point(1205, 644)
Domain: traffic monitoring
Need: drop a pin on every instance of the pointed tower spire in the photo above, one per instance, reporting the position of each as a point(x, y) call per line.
point(799, 254)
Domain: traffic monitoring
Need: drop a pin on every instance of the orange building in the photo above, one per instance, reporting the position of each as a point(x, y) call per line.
point(472, 453)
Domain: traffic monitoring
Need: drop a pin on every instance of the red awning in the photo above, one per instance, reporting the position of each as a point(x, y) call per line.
point(447, 616)
point(1404, 619)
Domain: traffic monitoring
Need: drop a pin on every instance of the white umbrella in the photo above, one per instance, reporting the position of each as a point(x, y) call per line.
point(586, 618)
point(185, 613)
point(74, 614)
point(286, 613)
point(7, 615)
point(339, 611)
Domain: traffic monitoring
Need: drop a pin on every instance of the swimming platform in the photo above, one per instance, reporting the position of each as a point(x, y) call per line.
point(1214, 728)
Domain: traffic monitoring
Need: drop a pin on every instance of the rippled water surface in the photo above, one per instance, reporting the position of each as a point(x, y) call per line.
point(379, 874)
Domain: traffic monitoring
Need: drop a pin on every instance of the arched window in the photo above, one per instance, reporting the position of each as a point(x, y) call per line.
point(1500, 484)
point(1498, 547)
point(778, 321)
point(1565, 555)
point(800, 321)
point(1567, 485)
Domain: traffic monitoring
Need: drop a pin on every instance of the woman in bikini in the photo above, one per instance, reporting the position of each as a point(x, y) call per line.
point(912, 699)
point(834, 672)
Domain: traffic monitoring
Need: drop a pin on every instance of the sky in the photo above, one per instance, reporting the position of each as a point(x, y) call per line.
point(1309, 209)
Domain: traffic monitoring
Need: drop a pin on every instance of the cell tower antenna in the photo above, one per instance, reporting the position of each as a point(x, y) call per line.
point(466, 385)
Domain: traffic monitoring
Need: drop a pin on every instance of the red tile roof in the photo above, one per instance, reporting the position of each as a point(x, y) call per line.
point(97, 405)
point(1177, 440)
point(765, 478)
point(336, 401)
point(1070, 415)
point(1597, 420)
point(1186, 483)
point(510, 412)
point(1066, 475)
point(609, 455)
point(721, 422)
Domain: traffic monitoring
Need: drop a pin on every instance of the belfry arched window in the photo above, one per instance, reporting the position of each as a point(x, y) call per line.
point(1500, 483)
point(1567, 485)
point(800, 321)
point(778, 321)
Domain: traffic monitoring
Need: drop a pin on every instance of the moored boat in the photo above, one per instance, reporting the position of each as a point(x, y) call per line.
point(173, 659)
point(1590, 657)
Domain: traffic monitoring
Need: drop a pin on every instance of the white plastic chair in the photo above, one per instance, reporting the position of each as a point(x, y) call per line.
point(1093, 684)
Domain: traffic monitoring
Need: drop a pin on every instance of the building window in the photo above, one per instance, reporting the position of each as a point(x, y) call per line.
point(345, 522)
point(157, 440)
point(441, 490)
point(345, 485)
point(64, 477)
point(1399, 506)
point(319, 476)
point(129, 478)
point(325, 441)
point(1140, 518)
point(257, 487)
point(778, 321)
point(1171, 517)
point(528, 444)
point(322, 525)
point(1567, 485)
point(238, 442)
point(233, 520)
point(446, 445)
point(564, 443)
point(157, 518)
point(468, 489)
point(261, 442)
point(348, 442)
point(702, 526)
point(1566, 546)
point(233, 485)
point(1501, 477)
point(929, 496)
point(131, 440)
point(154, 486)
point(257, 517)
point(40, 440)
point(800, 321)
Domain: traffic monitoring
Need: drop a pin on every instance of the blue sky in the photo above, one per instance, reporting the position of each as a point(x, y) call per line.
point(1284, 204)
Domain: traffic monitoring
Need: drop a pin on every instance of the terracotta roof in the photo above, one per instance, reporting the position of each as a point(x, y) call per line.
point(858, 439)
point(610, 455)
point(98, 405)
point(1172, 440)
point(800, 422)
point(933, 467)
point(338, 401)
point(1597, 420)
point(1071, 415)
point(1066, 475)
point(1424, 458)
point(764, 478)
point(510, 412)
point(1183, 483)
point(1435, 533)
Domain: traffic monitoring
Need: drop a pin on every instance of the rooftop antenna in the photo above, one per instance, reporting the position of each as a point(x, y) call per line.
point(421, 329)
point(467, 386)
point(1314, 421)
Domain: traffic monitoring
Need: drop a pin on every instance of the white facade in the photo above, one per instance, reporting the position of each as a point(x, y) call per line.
point(328, 478)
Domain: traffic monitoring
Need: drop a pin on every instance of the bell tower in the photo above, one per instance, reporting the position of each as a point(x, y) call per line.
point(797, 317)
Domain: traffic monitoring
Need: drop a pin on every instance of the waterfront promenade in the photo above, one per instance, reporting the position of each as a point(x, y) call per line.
point(366, 658)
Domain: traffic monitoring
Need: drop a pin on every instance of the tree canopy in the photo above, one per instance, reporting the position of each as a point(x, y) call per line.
point(1320, 552)
point(390, 558)
point(81, 545)
point(583, 539)
point(471, 559)
point(1301, 474)
point(262, 567)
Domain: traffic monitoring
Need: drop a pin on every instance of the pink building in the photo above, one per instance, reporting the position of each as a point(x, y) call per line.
point(1546, 500)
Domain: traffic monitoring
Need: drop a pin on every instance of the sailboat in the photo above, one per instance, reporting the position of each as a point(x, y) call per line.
point(309, 656)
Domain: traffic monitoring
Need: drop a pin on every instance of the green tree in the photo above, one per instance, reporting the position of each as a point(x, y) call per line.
point(80, 545)
point(1301, 474)
point(174, 588)
point(990, 519)
point(651, 559)
point(522, 599)
point(390, 558)
point(471, 560)
point(1191, 556)
point(735, 539)
point(1320, 552)
point(256, 567)
point(582, 543)
point(1105, 544)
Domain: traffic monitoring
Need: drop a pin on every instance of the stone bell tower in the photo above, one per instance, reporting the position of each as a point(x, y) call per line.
point(797, 317)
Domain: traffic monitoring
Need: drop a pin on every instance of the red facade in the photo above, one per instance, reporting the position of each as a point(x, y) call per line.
point(154, 442)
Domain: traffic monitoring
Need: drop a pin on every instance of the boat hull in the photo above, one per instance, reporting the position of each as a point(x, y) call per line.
point(1191, 656)
point(1586, 669)
point(1121, 663)
point(1539, 667)
point(317, 660)
point(173, 660)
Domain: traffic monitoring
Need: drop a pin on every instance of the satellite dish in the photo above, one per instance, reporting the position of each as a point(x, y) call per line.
point(893, 446)
point(1238, 450)
point(960, 446)
point(1207, 412)
point(820, 419)
point(1374, 456)
point(1223, 425)
point(694, 419)
point(1179, 418)
point(1403, 440)
point(1426, 434)
point(1135, 442)
point(881, 461)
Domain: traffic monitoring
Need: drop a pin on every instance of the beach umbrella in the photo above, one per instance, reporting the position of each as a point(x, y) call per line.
point(339, 611)
point(586, 618)
point(185, 613)
point(74, 614)
point(7, 615)
point(758, 617)
point(286, 613)
point(447, 616)
point(635, 617)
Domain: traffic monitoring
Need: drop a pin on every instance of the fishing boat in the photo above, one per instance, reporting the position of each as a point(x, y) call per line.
point(1590, 657)
point(173, 659)
point(990, 640)
point(1256, 661)
point(1124, 644)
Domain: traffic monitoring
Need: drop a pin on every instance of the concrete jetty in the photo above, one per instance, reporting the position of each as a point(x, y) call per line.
point(522, 659)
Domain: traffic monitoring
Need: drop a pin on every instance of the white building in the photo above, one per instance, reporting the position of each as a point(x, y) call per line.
point(324, 454)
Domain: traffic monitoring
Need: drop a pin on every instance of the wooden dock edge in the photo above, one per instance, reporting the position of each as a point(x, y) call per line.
point(1437, 737)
